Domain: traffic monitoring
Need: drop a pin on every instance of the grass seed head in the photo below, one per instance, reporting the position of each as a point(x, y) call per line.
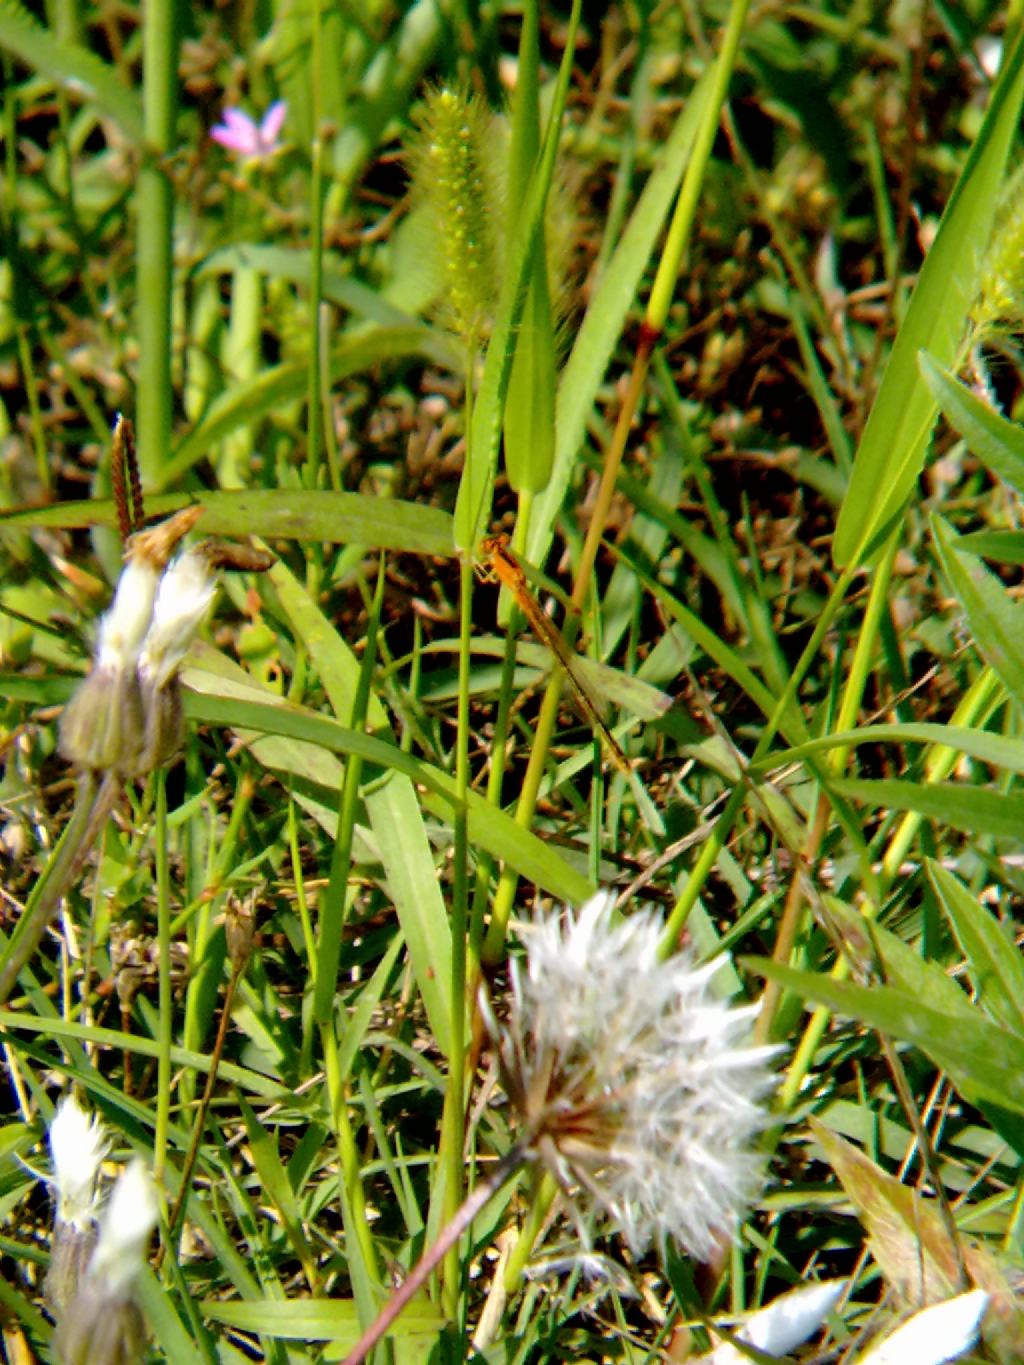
point(635, 1085)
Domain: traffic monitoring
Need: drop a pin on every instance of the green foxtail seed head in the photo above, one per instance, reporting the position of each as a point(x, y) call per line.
point(456, 180)
point(1000, 297)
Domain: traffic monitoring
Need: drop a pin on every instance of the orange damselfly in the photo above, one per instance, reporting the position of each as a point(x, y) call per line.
point(501, 564)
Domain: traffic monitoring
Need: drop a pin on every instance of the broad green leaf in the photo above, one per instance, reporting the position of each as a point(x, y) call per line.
point(975, 810)
point(983, 1060)
point(874, 949)
point(286, 514)
point(996, 969)
point(998, 443)
point(75, 68)
point(606, 315)
point(471, 506)
point(996, 621)
point(892, 448)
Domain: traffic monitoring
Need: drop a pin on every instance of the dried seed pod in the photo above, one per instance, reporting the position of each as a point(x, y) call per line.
point(103, 727)
point(229, 554)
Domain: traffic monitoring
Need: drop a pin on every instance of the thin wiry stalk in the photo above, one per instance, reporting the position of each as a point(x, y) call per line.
point(431, 1258)
point(93, 803)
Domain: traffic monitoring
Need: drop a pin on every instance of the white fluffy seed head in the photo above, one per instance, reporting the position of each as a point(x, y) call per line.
point(182, 600)
point(124, 626)
point(77, 1146)
point(633, 1082)
point(128, 1219)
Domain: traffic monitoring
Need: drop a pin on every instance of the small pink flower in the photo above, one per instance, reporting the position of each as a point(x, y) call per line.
point(252, 141)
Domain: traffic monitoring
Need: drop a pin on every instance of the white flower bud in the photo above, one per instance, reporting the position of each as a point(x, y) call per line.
point(182, 600)
point(77, 1146)
point(124, 627)
point(128, 1219)
point(102, 1325)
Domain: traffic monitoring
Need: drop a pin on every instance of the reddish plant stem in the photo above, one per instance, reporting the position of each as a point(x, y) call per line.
point(433, 1257)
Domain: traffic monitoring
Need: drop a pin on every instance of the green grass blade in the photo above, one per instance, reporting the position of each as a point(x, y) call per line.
point(1001, 751)
point(331, 1320)
point(983, 1060)
point(606, 315)
point(1005, 547)
point(394, 812)
point(975, 810)
point(994, 961)
point(177, 1345)
point(276, 1187)
point(415, 887)
point(250, 1081)
point(489, 404)
point(892, 447)
point(996, 621)
point(492, 829)
point(78, 70)
point(530, 410)
point(998, 443)
point(288, 514)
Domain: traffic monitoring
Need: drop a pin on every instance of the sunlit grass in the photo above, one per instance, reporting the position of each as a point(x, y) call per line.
point(696, 379)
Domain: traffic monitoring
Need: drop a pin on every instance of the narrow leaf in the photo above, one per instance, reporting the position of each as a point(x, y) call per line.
point(996, 621)
point(607, 312)
point(975, 810)
point(983, 1060)
point(489, 827)
point(286, 514)
point(530, 407)
point(489, 405)
point(998, 443)
point(75, 68)
point(892, 448)
point(997, 971)
point(315, 1319)
point(276, 1187)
